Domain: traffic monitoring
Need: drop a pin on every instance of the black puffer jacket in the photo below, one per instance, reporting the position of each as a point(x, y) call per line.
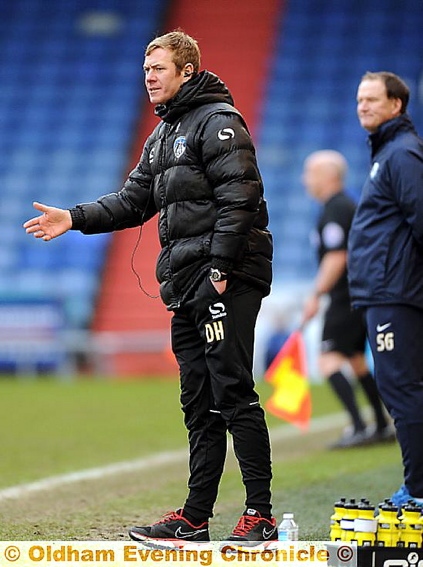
point(198, 170)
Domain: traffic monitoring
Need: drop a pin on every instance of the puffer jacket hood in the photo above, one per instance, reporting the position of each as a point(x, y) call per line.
point(205, 88)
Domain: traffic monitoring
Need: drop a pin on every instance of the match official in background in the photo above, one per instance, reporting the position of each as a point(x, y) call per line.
point(385, 263)
point(198, 176)
point(342, 359)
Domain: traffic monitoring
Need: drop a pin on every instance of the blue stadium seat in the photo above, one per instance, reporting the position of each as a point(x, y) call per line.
point(71, 77)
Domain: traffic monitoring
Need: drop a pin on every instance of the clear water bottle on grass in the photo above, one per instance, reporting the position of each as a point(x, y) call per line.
point(288, 528)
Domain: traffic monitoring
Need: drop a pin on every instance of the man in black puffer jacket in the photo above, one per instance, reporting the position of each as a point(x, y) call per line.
point(198, 173)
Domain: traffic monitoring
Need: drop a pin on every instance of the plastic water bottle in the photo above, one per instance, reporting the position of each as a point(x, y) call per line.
point(348, 520)
point(335, 519)
point(387, 525)
point(288, 529)
point(410, 526)
point(365, 525)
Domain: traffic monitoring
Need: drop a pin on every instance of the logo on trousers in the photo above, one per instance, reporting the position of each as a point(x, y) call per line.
point(381, 328)
point(218, 310)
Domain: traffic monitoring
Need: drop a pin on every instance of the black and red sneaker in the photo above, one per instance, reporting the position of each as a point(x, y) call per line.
point(252, 528)
point(172, 526)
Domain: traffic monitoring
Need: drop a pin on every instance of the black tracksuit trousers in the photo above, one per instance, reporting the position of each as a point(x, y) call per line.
point(213, 341)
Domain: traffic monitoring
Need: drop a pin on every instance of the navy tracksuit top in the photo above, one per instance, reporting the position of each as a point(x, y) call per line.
point(385, 251)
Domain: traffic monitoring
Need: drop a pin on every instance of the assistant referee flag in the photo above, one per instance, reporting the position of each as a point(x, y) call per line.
point(291, 398)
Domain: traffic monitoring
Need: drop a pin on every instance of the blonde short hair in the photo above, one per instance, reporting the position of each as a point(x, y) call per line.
point(184, 49)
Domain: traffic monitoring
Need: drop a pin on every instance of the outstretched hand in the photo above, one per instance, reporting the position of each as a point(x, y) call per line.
point(51, 223)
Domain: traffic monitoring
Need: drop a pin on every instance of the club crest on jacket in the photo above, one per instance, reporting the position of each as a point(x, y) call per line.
point(179, 146)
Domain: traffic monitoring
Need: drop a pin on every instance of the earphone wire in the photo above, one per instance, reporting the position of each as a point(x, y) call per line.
point(134, 270)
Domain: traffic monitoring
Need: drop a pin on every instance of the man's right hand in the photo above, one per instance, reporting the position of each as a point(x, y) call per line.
point(51, 223)
point(311, 308)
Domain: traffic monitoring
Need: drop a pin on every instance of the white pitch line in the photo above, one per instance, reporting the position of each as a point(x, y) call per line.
point(317, 425)
point(159, 459)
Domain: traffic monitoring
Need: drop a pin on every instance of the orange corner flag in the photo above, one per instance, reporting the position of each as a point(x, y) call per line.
point(291, 398)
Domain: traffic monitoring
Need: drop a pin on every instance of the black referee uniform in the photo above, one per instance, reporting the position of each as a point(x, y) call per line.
point(344, 329)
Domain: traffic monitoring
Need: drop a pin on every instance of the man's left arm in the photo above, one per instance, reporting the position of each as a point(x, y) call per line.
point(230, 163)
point(407, 176)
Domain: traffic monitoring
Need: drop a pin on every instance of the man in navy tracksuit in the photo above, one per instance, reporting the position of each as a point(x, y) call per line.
point(385, 264)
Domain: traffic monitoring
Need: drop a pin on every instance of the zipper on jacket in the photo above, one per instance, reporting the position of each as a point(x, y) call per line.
point(162, 188)
point(163, 205)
